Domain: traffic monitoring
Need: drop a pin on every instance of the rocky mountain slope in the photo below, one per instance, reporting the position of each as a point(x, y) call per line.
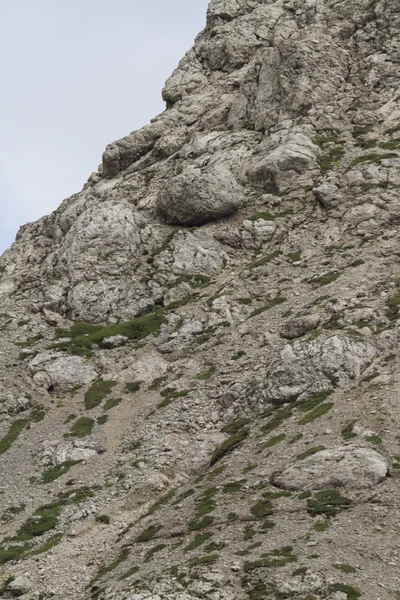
point(199, 351)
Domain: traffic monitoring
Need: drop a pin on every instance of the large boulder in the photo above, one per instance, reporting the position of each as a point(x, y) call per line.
point(60, 373)
point(195, 198)
point(305, 368)
point(346, 466)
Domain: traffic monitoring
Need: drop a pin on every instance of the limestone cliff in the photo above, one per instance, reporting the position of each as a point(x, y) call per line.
point(199, 351)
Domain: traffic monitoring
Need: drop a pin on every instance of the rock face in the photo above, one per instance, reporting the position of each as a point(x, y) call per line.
point(195, 198)
point(344, 467)
point(305, 368)
point(170, 335)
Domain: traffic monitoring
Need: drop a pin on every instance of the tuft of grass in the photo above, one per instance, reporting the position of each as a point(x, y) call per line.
point(238, 355)
point(351, 592)
point(332, 158)
point(393, 307)
point(277, 558)
point(111, 403)
point(149, 555)
point(345, 568)
point(129, 573)
point(204, 560)
point(132, 387)
point(161, 501)
point(84, 335)
point(58, 470)
point(10, 437)
point(314, 400)
point(271, 303)
point(170, 394)
point(97, 392)
point(263, 508)
point(205, 375)
point(233, 486)
point(362, 130)
point(374, 439)
point(123, 555)
point(328, 503)
point(265, 260)
point(200, 523)
point(229, 445)
point(347, 431)
point(104, 519)
point(321, 526)
point(318, 412)
point(148, 534)
point(310, 452)
point(373, 158)
point(82, 427)
point(235, 426)
point(325, 279)
point(200, 539)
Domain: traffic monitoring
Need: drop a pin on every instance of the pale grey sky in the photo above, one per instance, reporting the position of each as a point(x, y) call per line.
point(76, 75)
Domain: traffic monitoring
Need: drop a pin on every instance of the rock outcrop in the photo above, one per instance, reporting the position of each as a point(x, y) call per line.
point(199, 364)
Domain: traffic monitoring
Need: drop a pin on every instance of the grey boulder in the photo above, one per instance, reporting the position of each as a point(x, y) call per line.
point(195, 197)
point(347, 467)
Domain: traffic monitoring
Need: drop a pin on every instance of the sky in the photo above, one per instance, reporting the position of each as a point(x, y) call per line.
point(76, 76)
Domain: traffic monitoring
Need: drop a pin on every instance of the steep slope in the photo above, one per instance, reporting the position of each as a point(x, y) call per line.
point(199, 351)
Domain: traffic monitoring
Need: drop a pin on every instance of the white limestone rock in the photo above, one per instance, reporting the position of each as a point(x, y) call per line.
point(346, 466)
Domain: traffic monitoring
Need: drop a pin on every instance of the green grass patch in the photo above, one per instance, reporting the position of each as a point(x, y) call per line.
point(310, 452)
point(150, 554)
point(314, 400)
point(97, 392)
point(203, 560)
point(325, 279)
point(148, 534)
point(84, 335)
point(347, 431)
point(229, 445)
point(111, 403)
point(393, 307)
point(345, 568)
point(318, 412)
point(103, 519)
point(263, 508)
point(328, 503)
point(265, 260)
point(233, 486)
point(10, 437)
point(200, 523)
point(373, 158)
point(321, 526)
point(123, 555)
point(205, 375)
point(362, 130)
point(82, 427)
point(161, 501)
point(235, 426)
point(271, 303)
point(333, 157)
point(58, 470)
point(277, 558)
point(170, 394)
point(374, 439)
point(200, 539)
point(129, 573)
point(351, 592)
point(132, 386)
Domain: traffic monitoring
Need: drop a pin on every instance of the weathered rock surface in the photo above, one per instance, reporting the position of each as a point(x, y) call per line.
point(195, 197)
point(305, 368)
point(344, 467)
point(230, 266)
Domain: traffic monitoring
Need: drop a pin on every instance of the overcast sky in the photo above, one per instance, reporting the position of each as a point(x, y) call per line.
point(76, 75)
